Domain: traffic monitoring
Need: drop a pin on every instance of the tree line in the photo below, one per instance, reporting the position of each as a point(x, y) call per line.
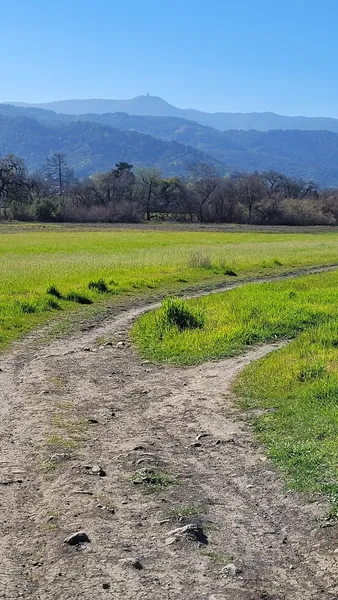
point(125, 195)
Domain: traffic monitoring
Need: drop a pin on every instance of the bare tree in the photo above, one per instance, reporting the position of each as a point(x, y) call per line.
point(15, 185)
point(58, 172)
point(204, 183)
point(252, 191)
point(150, 182)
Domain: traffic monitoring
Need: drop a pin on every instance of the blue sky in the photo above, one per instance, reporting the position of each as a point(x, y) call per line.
point(214, 55)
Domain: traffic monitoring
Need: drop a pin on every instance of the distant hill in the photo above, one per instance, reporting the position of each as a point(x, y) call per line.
point(157, 107)
point(95, 141)
point(92, 147)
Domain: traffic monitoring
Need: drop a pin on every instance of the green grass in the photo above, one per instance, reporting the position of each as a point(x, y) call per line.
point(297, 385)
point(235, 319)
point(183, 512)
point(300, 384)
point(132, 262)
point(152, 480)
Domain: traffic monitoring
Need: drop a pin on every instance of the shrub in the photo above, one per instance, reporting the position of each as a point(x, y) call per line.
point(53, 291)
point(177, 313)
point(99, 286)
point(75, 297)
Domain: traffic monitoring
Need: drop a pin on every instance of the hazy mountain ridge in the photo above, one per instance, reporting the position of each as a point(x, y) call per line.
point(92, 147)
point(157, 107)
point(170, 143)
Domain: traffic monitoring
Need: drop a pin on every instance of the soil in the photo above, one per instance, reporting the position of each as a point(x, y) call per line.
point(99, 442)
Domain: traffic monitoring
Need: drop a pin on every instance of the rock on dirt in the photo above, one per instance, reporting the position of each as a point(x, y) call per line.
point(133, 562)
point(231, 570)
point(95, 470)
point(190, 532)
point(77, 538)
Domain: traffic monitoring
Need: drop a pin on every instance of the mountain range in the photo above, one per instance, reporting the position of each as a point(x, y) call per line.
point(157, 107)
point(95, 141)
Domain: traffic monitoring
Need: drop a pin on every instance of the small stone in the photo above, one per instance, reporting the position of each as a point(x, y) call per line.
point(202, 435)
point(92, 420)
point(77, 538)
point(59, 456)
point(232, 570)
point(191, 532)
point(133, 562)
point(120, 344)
point(139, 448)
point(107, 508)
point(95, 470)
point(86, 349)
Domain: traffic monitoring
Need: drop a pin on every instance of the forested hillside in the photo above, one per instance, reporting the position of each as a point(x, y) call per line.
point(93, 142)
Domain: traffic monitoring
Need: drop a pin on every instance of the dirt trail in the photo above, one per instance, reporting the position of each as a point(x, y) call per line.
point(76, 404)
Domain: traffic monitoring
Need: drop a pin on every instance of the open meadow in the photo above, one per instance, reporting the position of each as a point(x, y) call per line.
point(69, 262)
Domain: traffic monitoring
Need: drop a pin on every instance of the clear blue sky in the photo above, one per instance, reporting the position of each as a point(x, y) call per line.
point(229, 55)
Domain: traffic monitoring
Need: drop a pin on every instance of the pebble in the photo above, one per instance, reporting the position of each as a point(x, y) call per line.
point(232, 570)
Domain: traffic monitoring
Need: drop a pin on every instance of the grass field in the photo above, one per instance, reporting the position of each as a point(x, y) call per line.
point(133, 262)
point(297, 386)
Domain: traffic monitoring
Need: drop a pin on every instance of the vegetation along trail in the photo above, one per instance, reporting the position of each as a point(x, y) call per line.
point(159, 472)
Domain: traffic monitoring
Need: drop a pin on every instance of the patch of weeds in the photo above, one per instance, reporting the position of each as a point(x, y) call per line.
point(181, 280)
point(59, 442)
point(99, 286)
point(277, 262)
point(182, 512)
point(49, 527)
point(230, 272)
point(79, 298)
point(58, 381)
point(27, 307)
point(178, 313)
point(198, 260)
point(53, 291)
point(70, 425)
point(153, 480)
point(217, 557)
point(64, 405)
